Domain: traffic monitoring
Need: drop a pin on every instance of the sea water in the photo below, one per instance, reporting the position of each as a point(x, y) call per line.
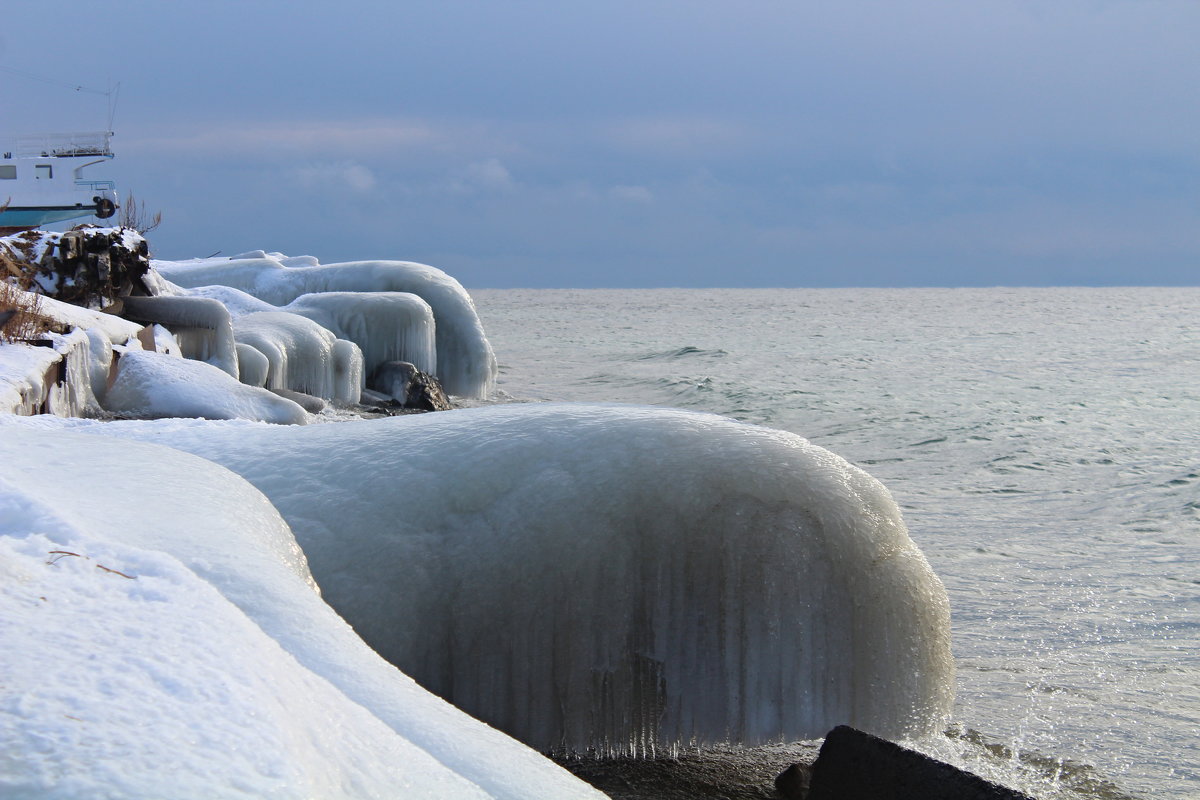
point(1044, 445)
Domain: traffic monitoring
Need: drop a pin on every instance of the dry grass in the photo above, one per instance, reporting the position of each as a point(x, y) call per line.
point(133, 215)
point(21, 315)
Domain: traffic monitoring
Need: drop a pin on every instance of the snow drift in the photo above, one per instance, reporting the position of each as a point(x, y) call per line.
point(611, 577)
point(162, 638)
point(151, 385)
point(465, 363)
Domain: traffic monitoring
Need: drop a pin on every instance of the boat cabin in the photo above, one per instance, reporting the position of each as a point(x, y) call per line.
point(42, 180)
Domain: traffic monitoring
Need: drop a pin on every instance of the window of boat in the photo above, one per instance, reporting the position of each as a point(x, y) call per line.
point(43, 171)
point(8, 172)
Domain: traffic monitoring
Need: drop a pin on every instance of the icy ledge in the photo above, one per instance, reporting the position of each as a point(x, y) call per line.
point(610, 577)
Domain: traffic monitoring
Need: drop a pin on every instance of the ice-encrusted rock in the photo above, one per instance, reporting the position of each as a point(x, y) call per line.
point(612, 577)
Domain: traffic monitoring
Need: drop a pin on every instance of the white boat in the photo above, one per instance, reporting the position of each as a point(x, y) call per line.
point(41, 178)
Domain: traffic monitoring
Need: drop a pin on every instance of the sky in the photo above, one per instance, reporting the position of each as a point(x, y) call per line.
point(689, 143)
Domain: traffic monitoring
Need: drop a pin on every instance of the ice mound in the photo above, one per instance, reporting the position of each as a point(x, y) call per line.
point(150, 384)
point(162, 638)
point(386, 326)
point(612, 577)
point(465, 363)
point(302, 356)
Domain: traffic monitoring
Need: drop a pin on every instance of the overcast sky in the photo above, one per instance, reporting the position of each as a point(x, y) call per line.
point(579, 143)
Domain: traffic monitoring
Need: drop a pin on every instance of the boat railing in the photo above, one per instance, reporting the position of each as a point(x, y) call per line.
point(97, 186)
point(62, 145)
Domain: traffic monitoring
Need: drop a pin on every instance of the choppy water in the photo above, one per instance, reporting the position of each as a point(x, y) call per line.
point(1043, 443)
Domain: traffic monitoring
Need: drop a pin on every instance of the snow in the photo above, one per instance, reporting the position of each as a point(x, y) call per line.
point(116, 329)
point(466, 364)
point(590, 577)
point(176, 647)
point(236, 301)
point(611, 577)
point(150, 384)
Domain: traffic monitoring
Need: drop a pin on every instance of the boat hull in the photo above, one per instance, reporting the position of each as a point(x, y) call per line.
point(36, 216)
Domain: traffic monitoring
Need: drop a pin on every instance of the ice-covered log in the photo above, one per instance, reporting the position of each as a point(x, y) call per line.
point(162, 638)
point(154, 385)
point(614, 577)
point(303, 356)
point(202, 326)
point(466, 365)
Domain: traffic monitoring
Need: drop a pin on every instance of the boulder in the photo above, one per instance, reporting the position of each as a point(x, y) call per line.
point(853, 765)
point(410, 387)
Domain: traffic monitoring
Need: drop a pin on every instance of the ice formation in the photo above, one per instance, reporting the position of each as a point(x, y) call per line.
point(302, 355)
point(387, 326)
point(162, 638)
point(57, 379)
point(150, 385)
point(201, 325)
point(466, 365)
point(612, 577)
point(253, 366)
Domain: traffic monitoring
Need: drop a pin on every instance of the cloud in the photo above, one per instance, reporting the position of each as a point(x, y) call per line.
point(489, 175)
point(334, 175)
point(359, 137)
point(631, 194)
point(687, 136)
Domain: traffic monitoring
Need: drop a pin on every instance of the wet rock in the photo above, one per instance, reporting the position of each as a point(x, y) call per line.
point(854, 765)
point(793, 782)
point(410, 387)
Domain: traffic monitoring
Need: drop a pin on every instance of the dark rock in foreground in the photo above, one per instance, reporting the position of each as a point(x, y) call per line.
point(854, 765)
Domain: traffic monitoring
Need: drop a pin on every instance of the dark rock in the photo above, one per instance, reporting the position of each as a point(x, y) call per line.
point(854, 765)
point(409, 386)
point(792, 783)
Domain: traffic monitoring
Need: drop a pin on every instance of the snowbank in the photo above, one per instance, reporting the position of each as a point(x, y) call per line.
point(162, 638)
point(150, 385)
point(466, 365)
point(611, 577)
